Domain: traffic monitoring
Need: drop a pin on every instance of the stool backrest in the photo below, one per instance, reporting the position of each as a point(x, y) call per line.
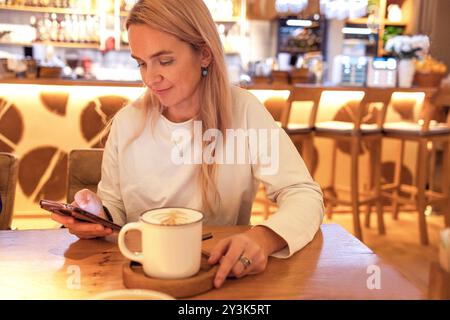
point(9, 167)
point(442, 100)
point(415, 105)
point(278, 108)
point(304, 94)
point(276, 100)
point(84, 171)
point(372, 96)
point(359, 106)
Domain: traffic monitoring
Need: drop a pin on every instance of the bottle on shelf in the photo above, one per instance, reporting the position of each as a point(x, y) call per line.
point(127, 5)
point(54, 28)
point(67, 28)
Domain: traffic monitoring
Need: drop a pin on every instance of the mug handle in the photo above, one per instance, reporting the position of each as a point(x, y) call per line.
point(134, 256)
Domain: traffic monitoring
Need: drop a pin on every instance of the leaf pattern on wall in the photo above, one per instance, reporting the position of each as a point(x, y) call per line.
point(96, 116)
point(11, 126)
point(55, 102)
point(43, 173)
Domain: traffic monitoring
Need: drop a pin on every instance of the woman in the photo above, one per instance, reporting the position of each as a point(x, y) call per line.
point(181, 60)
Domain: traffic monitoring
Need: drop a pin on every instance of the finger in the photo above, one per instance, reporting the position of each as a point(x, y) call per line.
point(82, 198)
point(258, 265)
point(85, 227)
point(62, 219)
point(91, 235)
point(219, 250)
point(239, 269)
point(229, 260)
point(83, 235)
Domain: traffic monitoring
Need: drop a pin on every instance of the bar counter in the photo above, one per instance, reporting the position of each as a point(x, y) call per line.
point(41, 120)
point(68, 82)
point(101, 83)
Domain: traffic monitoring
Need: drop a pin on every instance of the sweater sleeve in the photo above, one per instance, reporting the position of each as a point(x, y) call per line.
point(109, 186)
point(287, 182)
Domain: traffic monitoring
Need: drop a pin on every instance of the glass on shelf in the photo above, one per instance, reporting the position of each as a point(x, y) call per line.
point(127, 5)
point(72, 60)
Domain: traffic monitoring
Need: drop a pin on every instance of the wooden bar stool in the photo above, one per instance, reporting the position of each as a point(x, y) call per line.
point(9, 167)
point(83, 171)
point(426, 134)
point(355, 134)
point(300, 122)
point(276, 99)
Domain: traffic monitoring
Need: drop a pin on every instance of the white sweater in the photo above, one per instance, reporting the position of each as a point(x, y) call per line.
point(140, 175)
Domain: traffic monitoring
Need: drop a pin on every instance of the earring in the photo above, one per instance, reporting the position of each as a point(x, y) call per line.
point(204, 71)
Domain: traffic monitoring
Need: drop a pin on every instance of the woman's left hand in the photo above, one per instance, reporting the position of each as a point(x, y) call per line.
point(244, 253)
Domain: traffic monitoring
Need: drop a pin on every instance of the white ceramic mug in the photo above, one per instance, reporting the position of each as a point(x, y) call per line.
point(171, 242)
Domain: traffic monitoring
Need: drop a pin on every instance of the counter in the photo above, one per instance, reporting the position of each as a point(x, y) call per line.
point(41, 120)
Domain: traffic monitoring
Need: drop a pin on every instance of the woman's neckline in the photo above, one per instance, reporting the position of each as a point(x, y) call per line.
point(175, 123)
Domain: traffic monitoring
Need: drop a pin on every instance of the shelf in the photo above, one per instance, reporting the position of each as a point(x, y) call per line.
point(57, 44)
point(361, 21)
point(226, 21)
point(395, 24)
point(49, 10)
point(69, 44)
point(384, 22)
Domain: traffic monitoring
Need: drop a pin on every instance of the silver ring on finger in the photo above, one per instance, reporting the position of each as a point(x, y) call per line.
point(245, 261)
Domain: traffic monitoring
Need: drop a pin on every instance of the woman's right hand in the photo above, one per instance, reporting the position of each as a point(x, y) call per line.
point(89, 201)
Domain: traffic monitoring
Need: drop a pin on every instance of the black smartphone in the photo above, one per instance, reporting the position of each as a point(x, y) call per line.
point(69, 210)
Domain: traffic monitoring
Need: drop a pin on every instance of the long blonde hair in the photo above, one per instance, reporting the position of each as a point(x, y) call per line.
point(191, 22)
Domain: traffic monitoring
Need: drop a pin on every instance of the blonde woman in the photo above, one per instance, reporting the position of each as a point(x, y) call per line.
point(178, 50)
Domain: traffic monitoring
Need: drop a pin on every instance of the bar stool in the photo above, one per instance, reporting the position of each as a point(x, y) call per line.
point(9, 167)
point(300, 121)
point(355, 134)
point(297, 121)
point(424, 132)
point(277, 101)
point(83, 171)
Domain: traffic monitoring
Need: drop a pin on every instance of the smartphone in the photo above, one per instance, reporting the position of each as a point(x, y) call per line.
point(79, 214)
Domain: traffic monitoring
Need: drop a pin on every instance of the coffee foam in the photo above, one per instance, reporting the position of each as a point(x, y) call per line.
point(171, 217)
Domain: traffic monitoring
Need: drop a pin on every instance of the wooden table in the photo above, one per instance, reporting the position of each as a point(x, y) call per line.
point(43, 264)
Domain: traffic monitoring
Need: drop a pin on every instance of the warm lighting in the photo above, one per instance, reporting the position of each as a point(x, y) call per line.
point(395, 13)
point(264, 95)
point(407, 96)
point(342, 9)
point(299, 23)
point(362, 31)
point(290, 6)
point(331, 101)
point(76, 91)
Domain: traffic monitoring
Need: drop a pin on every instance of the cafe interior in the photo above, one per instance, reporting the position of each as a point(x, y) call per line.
point(361, 87)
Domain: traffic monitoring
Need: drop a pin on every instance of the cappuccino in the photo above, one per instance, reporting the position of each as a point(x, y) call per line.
point(171, 217)
point(171, 242)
